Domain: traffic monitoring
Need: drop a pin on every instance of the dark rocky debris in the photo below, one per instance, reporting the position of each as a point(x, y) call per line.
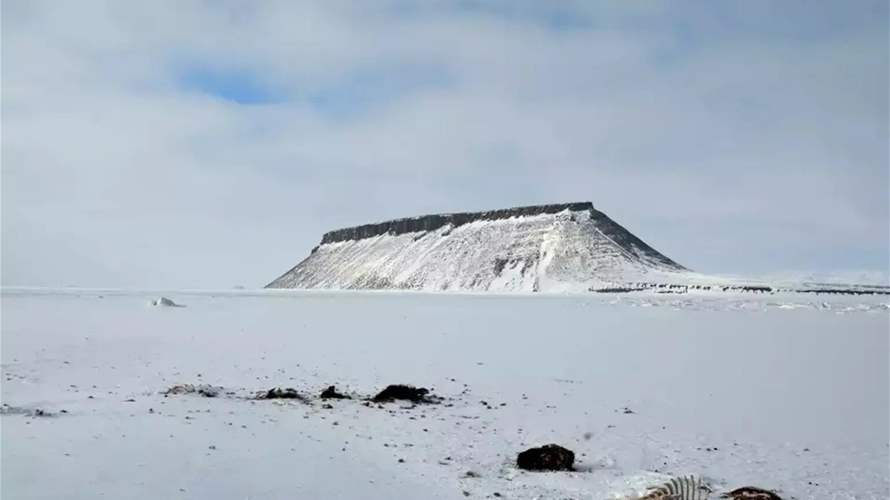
point(681, 288)
point(404, 393)
point(331, 393)
point(6, 409)
point(279, 393)
point(847, 291)
point(550, 457)
point(205, 390)
point(751, 493)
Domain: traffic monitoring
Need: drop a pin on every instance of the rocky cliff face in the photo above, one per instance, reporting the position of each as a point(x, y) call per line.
point(561, 247)
point(433, 222)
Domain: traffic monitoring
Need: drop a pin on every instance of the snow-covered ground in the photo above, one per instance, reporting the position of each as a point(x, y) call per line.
point(788, 392)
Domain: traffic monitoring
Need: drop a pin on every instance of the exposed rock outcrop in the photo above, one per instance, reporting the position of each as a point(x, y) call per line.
point(279, 393)
point(436, 221)
point(205, 390)
point(550, 457)
point(751, 493)
point(331, 393)
point(404, 393)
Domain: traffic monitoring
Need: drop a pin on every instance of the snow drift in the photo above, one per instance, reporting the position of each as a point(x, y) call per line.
point(539, 248)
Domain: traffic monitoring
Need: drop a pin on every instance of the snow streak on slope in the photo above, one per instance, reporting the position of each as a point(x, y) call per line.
point(568, 247)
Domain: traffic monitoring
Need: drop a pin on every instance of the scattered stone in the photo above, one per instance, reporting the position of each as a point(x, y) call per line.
point(751, 493)
point(205, 390)
point(279, 393)
point(471, 474)
point(403, 392)
point(327, 406)
point(331, 393)
point(28, 412)
point(209, 391)
point(550, 457)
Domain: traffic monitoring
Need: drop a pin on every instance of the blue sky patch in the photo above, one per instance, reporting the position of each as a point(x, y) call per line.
point(239, 86)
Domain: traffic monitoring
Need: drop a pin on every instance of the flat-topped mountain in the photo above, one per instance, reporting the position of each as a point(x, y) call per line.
point(563, 247)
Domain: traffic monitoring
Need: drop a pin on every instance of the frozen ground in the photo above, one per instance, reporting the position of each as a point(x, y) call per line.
point(786, 392)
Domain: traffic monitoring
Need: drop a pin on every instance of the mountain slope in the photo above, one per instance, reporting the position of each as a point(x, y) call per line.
point(539, 248)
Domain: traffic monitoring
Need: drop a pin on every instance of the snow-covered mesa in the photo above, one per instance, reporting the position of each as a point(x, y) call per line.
point(569, 247)
point(546, 248)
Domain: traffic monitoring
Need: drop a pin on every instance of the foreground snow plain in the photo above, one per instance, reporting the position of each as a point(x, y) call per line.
point(787, 392)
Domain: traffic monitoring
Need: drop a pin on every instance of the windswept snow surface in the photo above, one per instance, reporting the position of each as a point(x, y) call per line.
point(787, 392)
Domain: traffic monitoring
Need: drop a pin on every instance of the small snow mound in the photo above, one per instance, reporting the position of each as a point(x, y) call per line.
point(165, 302)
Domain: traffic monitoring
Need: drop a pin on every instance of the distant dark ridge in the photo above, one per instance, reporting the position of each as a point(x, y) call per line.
point(433, 222)
point(678, 288)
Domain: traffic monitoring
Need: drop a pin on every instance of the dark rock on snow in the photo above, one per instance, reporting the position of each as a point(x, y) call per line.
point(5, 409)
point(331, 393)
point(208, 391)
point(751, 493)
point(402, 392)
point(279, 393)
point(550, 457)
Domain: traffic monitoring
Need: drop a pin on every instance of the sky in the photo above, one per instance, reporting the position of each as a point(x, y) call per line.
point(208, 144)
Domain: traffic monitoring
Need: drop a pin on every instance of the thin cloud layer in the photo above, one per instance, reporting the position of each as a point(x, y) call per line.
point(207, 144)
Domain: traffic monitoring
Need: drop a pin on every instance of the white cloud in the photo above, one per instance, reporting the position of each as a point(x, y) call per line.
point(751, 147)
